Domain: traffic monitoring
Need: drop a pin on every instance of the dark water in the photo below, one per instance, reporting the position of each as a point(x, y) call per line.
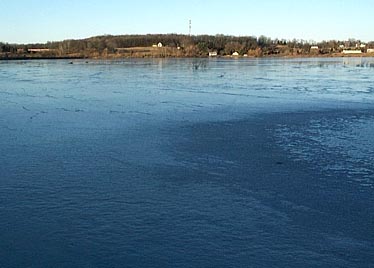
point(187, 163)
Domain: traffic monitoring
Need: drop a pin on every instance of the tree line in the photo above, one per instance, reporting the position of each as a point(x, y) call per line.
point(199, 45)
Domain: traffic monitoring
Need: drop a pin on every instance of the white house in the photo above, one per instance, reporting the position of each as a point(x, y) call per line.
point(213, 54)
point(159, 44)
point(370, 50)
point(235, 54)
point(352, 51)
point(314, 48)
point(35, 50)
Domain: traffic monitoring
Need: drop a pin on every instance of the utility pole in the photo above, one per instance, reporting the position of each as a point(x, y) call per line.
point(190, 28)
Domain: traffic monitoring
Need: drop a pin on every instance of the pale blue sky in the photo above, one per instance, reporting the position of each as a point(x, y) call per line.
point(25, 21)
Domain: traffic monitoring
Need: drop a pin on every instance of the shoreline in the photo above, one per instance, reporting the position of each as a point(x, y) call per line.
point(187, 57)
point(222, 57)
point(40, 58)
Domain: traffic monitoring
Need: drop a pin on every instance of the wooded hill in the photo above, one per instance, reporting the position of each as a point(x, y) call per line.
point(176, 45)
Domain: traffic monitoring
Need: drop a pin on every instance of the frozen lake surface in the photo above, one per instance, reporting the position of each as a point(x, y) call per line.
point(187, 163)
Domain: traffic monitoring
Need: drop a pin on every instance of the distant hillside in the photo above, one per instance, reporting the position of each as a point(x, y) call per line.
point(176, 45)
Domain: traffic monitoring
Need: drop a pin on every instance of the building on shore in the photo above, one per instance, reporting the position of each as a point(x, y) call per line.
point(158, 45)
point(38, 50)
point(370, 50)
point(213, 54)
point(314, 50)
point(346, 51)
point(235, 54)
